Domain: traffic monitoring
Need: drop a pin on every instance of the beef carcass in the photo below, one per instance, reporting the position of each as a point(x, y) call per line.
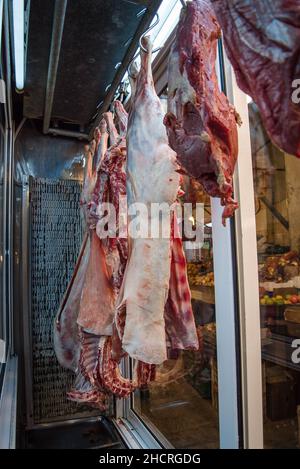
point(151, 178)
point(201, 124)
point(262, 41)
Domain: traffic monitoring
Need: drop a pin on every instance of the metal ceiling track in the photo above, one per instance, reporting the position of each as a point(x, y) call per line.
point(56, 40)
point(144, 24)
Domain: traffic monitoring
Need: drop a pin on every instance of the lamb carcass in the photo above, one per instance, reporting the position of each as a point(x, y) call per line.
point(151, 178)
point(97, 302)
point(201, 124)
point(65, 332)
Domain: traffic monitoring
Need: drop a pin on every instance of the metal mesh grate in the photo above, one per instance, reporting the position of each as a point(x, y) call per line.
point(56, 235)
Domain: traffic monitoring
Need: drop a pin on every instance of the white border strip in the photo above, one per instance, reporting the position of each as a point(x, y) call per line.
point(225, 328)
point(247, 274)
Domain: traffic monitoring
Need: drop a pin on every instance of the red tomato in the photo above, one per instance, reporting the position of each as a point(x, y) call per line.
point(294, 299)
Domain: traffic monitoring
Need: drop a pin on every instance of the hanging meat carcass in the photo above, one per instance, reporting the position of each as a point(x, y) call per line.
point(98, 365)
point(98, 296)
point(98, 373)
point(181, 332)
point(151, 178)
point(262, 41)
point(97, 302)
point(201, 124)
point(113, 168)
point(113, 172)
point(65, 333)
point(85, 389)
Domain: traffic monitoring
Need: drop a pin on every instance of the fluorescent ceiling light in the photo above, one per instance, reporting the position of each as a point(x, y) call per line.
point(169, 13)
point(18, 30)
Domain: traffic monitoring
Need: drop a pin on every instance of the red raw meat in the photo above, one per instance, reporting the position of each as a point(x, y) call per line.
point(113, 171)
point(262, 41)
point(179, 318)
point(122, 117)
point(109, 375)
point(201, 124)
point(84, 393)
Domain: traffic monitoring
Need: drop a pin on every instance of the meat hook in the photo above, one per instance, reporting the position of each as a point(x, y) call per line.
point(141, 45)
point(146, 32)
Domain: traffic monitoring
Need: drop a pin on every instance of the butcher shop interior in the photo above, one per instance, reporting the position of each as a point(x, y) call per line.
point(113, 336)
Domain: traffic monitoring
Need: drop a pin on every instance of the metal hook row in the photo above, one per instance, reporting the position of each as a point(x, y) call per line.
point(152, 26)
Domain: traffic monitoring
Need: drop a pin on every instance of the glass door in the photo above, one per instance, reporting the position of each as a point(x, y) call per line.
point(276, 177)
point(182, 403)
point(268, 258)
point(195, 401)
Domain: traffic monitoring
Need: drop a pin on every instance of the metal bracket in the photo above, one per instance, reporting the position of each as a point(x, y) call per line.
point(2, 91)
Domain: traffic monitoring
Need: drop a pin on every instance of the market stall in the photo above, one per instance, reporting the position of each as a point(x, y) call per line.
point(150, 250)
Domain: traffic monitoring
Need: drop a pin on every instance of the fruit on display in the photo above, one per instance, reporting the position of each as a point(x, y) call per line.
point(279, 300)
point(206, 280)
point(197, 278)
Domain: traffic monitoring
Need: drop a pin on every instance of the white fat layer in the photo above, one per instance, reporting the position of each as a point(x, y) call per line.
point(151, 178)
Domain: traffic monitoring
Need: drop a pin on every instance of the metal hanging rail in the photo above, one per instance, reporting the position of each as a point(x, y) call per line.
point(144, 24)
point(56, 40)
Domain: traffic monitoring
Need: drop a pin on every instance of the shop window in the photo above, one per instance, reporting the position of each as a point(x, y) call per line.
point(277, 193)
point(182, 403)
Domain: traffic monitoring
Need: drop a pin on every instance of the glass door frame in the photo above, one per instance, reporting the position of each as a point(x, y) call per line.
point(227, 357)
point(8, 393)
point(247, 269)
